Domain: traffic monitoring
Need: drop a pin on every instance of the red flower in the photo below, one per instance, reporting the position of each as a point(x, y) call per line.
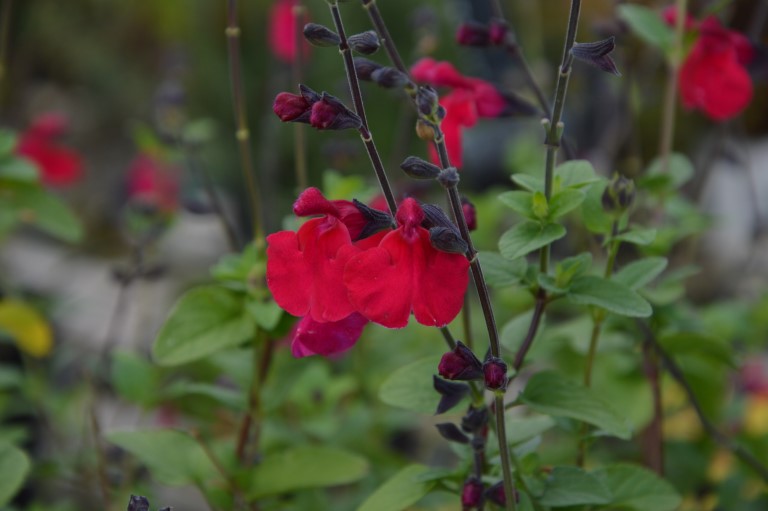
point(282, 31)
point(405, 274)
point(305, 268)
point(152, 182)
point(713, 77)
point(311, 337)
point(470, 99)
point(59, 166)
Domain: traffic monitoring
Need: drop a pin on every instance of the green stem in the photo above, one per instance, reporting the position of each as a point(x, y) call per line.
point(250, 427)
point(670, 93)
point(241, 121)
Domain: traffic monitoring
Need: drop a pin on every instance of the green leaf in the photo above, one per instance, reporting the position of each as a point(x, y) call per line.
point(610, 295)
point(500, 272)
point(135, 378)
point(529, 182)
point(519, 201)
point(527, 236)
point(638, 236)
point(648, 26)
point(575, 174)
point(550, 393)
point(8, 141)
point(232, 398)
point(14, 468)
point(411, 387)
point(33, 204)
point(572, 267)
point(235, 269)
point(572, 486)
point(266, 314)
point(205, 320)
point(304, 467)
point(595, 218)
point(19, 169)
point(638, 489)
point(173, 457)
point(399, 491)
point(639, 273)
point(565, 201)
point(678, 172)
point(700, 344)
point(523, 429)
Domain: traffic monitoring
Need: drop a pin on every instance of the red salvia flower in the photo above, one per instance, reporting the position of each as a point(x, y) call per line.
point(405, 274)
point(713, 77)
point(305, 268)
point(58, 165)
point(152, 182)
point(311, 337)
point(282, 31)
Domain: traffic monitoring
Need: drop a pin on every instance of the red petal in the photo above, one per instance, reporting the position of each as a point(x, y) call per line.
point(439, 74)
point(488, 101)
point(58, 165)
point(282, 31)
point(313, 338)
point(312, 202)
point(305, 269)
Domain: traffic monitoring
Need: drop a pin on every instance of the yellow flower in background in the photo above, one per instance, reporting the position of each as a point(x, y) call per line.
point(756, 415)
point(27, 327)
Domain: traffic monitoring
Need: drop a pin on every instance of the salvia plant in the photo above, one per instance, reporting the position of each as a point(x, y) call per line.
point(403, 342)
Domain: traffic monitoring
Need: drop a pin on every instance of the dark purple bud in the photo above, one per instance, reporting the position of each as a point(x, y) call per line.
point(291, 107)
point(496, 494)
point(419, 169)
point(597, 54)
point(498, 32)
point(450, 432)
point(364, 68)
point(434, 216)
point(495, 374)
point(449, 177)
point(427, 100)
point(375, 220)
point(389, 78)
point(366, 42)
point(310, 95)
point(331, 114)
point(451, 393)
point(138, 503)
point(475, 419)
point(448, 240)
point(470, 213)
point(619, 194)
point(320, 35)
point(460, 364)
point(472, 33)
point(472, 493)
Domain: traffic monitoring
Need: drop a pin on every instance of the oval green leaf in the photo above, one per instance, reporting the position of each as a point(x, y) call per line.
point(411, 387)
point(572, 486)
point(14, 468)
point(609, 295)
point(528, 236)
point(399, 491)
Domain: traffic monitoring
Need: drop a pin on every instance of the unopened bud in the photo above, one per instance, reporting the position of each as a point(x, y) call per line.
point(475, 419)
point(366, 43)
point(449, 177)
point(496, 494)
point(320, 35)
point(452, 433)
point(291, 107)
point(498, 32)
point(389, 77)
point(472, 33)
point(427, 100)
point(597, 54)
point(365, 68)
point(460, 364)
point(472, 493)
point(619, 194)
point(448, 240)
point(425, 131)
point(419, 169)
point(375, 220)
point(495, 374)
point(470, 213)
point(331, 114)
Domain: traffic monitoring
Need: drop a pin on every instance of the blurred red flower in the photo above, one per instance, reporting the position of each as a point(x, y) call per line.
point(59, 166)
point(282, 31)
point(310, 337)
point(153, 183)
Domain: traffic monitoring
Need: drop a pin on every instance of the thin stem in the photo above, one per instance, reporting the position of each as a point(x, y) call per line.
point(677, 374)
point(533, 328)
point(5, 28)
point(300, 144)
point(448, 336)
point(241, 120)
point(501, 434)
point(466, 322)
point(222, 470)
point(384, 37)
point(670, 92)
point(252, 418)
point(654, 433)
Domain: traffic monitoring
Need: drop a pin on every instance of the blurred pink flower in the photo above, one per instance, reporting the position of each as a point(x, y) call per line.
point(59, 166)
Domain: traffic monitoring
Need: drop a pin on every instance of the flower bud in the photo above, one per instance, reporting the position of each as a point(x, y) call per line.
point(449, 177)
point(320, 35)
point(389, 77)
point(475, 419)
point(366, 42)
point(495, 374)
point(460, 364)
point(138, 503)
point(496, 494)
point(375, 220)
point(291, 107)
point(470, 213)
point(364, 68)
point(597, 54)
point(450, 432)
point(419, 169)
point(427, 100)
point(451, 393)
point(448, 240)
point(498, 32)
point(472, 33)
point(425, 131)
point(472, 493)
point(619, 194)
point(331, 114)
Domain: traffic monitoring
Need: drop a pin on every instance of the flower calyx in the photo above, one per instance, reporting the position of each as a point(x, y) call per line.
point(460, 364)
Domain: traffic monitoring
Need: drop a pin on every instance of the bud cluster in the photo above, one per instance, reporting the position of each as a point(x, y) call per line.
point(322, 111)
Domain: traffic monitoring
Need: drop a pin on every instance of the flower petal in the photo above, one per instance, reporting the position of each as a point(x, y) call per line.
point(314, 338)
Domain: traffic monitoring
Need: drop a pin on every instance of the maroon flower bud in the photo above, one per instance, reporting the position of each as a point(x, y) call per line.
point(496, 494)
point(495, 374)
point(291, 107)
point(330, 114)
point(471, 33)
point(472, 493)
point(470, 214)
point(498, 32)
point(460, 364)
